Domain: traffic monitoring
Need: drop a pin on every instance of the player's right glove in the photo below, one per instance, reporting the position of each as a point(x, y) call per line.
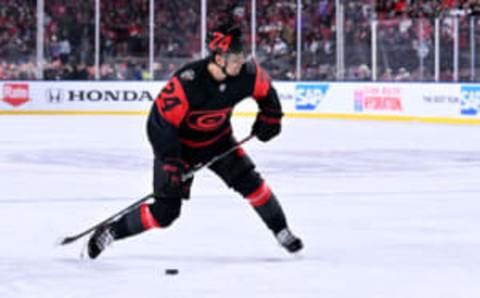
point(267, 124)
point(172, 171)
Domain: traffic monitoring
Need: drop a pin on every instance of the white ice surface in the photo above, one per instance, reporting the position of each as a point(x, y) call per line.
point(385, 210)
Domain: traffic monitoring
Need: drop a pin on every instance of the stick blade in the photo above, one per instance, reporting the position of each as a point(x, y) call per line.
point(66, 240)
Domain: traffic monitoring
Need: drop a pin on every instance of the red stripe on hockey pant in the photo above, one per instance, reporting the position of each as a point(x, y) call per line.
point(260, 196)
point(148, 221)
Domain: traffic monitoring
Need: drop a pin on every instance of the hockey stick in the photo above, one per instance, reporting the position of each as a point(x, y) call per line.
point(70, 239)
point(200, 166)
point(134, 205)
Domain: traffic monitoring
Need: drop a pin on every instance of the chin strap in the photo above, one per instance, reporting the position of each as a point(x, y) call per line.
point(222, 68)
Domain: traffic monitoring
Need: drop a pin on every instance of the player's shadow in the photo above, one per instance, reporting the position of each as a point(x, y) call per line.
point(211, 259)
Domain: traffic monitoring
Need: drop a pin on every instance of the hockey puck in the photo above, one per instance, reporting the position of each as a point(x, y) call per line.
point(171, 271)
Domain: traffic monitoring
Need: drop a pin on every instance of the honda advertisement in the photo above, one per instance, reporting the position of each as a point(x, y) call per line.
point(385, 101)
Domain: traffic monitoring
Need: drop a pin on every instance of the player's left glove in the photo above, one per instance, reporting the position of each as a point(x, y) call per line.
point(267, 124)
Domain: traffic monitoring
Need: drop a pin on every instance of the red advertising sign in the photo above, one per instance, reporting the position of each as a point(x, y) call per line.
point(15, 94)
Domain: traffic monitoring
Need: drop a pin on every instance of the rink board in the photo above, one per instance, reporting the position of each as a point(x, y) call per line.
point(443, 103)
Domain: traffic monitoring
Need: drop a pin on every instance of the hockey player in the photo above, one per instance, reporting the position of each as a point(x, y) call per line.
point(189, 123)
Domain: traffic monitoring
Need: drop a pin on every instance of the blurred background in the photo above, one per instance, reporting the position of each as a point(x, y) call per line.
point(334, 40)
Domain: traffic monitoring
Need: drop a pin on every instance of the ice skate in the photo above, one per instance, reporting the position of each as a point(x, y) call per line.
point(291, 242)
point(100, 239)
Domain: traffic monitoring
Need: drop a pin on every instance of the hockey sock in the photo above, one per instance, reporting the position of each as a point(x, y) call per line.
point(135, 222)
point(268, 208)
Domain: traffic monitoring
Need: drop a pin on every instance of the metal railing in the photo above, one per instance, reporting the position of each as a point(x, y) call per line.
point(332, 40)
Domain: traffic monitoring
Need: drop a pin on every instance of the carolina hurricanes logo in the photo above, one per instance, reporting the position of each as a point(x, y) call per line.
point(208, 120)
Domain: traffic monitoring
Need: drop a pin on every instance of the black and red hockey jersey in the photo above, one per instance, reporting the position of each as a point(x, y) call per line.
point(192, 113)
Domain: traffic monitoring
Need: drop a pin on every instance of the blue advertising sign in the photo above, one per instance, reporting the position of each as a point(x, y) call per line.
point(470, 100)
point(309, 96)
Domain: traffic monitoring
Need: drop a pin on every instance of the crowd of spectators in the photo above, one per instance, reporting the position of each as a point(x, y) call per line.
point(405, 37)
point(417, 8)
point(407, 42)
point(17, 37)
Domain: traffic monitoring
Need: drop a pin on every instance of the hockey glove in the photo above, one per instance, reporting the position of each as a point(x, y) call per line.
point(172, 171)
point(267, 124)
